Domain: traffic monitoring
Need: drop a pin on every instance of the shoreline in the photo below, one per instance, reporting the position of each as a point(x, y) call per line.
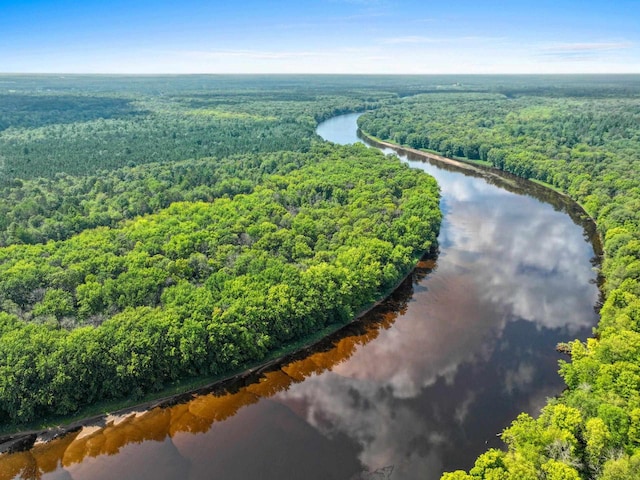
point(23, 440)
point(505, 178)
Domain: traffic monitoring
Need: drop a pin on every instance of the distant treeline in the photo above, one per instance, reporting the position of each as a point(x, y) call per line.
point(79, 135)
point(81, 125)
point(587, 145)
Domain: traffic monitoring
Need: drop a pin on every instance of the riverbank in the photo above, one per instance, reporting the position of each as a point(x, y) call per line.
point(506, 180)
point(376, 142)
point(22, 440)
point(598, 174)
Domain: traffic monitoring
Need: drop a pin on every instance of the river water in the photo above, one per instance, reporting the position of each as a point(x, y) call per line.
point(422, 385)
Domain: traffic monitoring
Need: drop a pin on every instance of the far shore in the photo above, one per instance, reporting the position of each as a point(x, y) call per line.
point(503, 177)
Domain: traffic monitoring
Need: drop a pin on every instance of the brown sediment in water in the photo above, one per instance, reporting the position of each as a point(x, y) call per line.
point(22, 441)
point(109, 434)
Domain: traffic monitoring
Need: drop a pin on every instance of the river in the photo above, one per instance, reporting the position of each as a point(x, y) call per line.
point(421, 385)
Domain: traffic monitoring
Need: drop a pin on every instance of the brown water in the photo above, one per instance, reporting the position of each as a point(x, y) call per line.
point(423, 384)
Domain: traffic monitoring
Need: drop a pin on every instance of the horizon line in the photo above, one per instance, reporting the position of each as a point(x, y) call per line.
point(123, 74)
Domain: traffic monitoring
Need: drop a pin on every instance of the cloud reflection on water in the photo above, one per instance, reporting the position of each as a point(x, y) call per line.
point(507, 258)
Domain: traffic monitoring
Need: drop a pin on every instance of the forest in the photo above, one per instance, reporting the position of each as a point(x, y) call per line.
point(45, 135)
point(586, 144)
point(228, 232)
point(203, 287)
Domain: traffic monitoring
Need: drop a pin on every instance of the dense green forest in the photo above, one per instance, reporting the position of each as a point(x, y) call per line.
point(89, 124)
point(104, 132)
point(205, 287)
point(42, 209)
point(159, 229)
point(91, 151)
point(587, 144)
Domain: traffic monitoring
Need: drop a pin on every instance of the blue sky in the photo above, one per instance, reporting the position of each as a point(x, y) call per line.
point(319, 36)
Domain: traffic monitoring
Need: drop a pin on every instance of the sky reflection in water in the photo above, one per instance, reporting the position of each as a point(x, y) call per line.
point(476, 340)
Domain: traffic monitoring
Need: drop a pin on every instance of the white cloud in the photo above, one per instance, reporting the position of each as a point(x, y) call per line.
point(582, 51)
point(251, 54)
point(419, 39)
point(586, 47)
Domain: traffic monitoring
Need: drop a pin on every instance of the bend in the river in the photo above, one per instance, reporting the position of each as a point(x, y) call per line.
point(421, 385)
